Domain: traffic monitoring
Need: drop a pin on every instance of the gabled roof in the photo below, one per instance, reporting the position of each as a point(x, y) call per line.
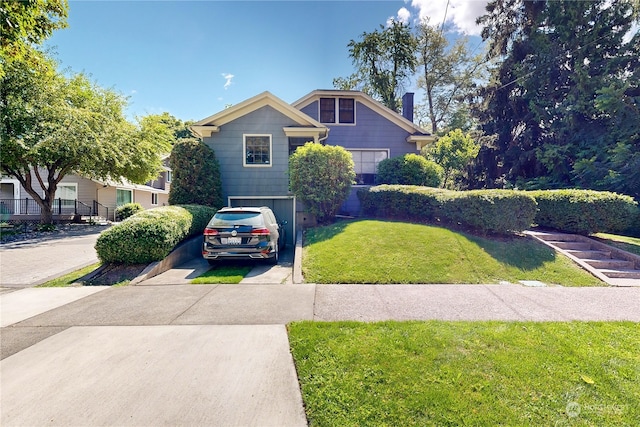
point(212, 124)
point(366, 100)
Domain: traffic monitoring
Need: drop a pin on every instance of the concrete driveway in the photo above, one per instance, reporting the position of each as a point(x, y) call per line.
point(261, 273)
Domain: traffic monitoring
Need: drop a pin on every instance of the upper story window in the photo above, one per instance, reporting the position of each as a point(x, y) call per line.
point(169, 176)
point(345, 108)
point(257, 150)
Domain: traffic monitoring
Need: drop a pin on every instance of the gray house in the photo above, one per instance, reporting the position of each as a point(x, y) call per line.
point(253, 140)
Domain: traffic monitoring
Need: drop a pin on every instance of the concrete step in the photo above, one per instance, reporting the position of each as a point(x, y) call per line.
point(621, 274)
point(572, 245)
point(557, 237)
point(613, 264)
point(590, 254)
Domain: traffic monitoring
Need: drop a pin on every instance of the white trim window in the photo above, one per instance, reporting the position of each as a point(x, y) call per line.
point(154, 199)
point(366, 164)
point(169, 176)
point(257, 150)
point(344, 107)
point(123, 196)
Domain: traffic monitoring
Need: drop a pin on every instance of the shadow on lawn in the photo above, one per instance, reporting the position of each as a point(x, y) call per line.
point(517, 251)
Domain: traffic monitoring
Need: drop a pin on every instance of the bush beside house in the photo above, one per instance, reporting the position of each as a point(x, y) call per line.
point(129, 209)
point(321, 177)
point(150, 235)
point(495, 211)
point(409, 169)
point(196, 175)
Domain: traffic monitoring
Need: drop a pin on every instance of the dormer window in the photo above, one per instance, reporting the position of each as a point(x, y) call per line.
point(344, 107)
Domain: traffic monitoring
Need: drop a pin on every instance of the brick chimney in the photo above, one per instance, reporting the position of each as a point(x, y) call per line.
point(407, 106)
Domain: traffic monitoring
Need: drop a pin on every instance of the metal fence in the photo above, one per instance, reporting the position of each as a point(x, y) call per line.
point(14, 209)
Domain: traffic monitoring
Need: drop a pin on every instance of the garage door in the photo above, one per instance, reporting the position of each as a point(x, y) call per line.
point(283, 208)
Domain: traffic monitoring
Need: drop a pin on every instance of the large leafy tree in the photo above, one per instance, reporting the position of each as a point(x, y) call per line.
point(384, 59)
point(25, 23)
point(447, 73)
point(453, 152)
point(52, 125)
point(567, 77)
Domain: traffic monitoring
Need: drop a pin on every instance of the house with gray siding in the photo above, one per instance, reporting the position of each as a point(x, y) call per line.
point(253, 140)
point(76, 194)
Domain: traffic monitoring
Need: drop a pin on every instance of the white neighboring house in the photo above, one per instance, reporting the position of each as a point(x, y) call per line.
point(77, 195)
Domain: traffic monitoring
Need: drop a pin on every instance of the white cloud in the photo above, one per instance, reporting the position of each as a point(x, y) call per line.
point(228, 77)
point(632, 32)
point(402, 16)
point(462, 13)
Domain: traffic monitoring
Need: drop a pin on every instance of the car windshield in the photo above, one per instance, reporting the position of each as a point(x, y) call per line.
point(226, 219)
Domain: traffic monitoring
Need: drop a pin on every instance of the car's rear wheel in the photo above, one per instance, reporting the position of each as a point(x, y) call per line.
point(276, 256)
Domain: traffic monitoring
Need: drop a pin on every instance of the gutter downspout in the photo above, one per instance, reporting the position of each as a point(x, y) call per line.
point(321, 140)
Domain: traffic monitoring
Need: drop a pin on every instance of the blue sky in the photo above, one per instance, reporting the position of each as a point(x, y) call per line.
point(191, 58)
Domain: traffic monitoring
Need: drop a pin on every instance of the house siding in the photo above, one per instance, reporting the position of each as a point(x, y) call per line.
point(239, 180)
point(371, 131)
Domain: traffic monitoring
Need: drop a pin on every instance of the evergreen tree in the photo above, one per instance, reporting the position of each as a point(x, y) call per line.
point(550, 104)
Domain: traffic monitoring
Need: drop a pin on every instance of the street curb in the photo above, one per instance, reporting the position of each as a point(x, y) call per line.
point(297, 260)
point(185, 251)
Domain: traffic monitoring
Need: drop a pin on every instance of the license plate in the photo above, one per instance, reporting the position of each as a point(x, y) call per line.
point(231, 240)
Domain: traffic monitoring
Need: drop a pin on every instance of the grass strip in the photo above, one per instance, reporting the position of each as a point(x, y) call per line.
point(626, 243)
point(69, 279)
point(468, 373)
point(231, 274)
point(379, 252)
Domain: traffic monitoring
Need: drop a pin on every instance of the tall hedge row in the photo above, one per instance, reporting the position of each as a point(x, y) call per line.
point(150, 235)
point(502, 211)
point(584, 211)
point(496, 211)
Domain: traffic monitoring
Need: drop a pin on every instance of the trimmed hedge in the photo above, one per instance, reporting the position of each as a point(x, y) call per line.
point(125, 211)
point(496, 211)
point(584, 211)
point(150, 235)
point(409, 169)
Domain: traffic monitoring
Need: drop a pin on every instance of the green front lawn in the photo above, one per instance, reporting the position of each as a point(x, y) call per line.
point(223, 274)
point(372, 251)
point(468, 373)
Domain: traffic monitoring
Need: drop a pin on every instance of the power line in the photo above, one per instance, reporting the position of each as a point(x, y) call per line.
point(446, 9)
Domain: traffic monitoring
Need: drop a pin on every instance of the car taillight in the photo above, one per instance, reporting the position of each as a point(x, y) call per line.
point(210, 232)
point(260, 232)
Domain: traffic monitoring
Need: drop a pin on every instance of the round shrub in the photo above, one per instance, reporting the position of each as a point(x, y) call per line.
point(409, 169)
point(125, 211)
point(584, 211)
point(321, 177)
point(150, 235)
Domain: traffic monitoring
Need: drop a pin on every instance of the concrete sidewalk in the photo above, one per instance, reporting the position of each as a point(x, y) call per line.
point(219, 355)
